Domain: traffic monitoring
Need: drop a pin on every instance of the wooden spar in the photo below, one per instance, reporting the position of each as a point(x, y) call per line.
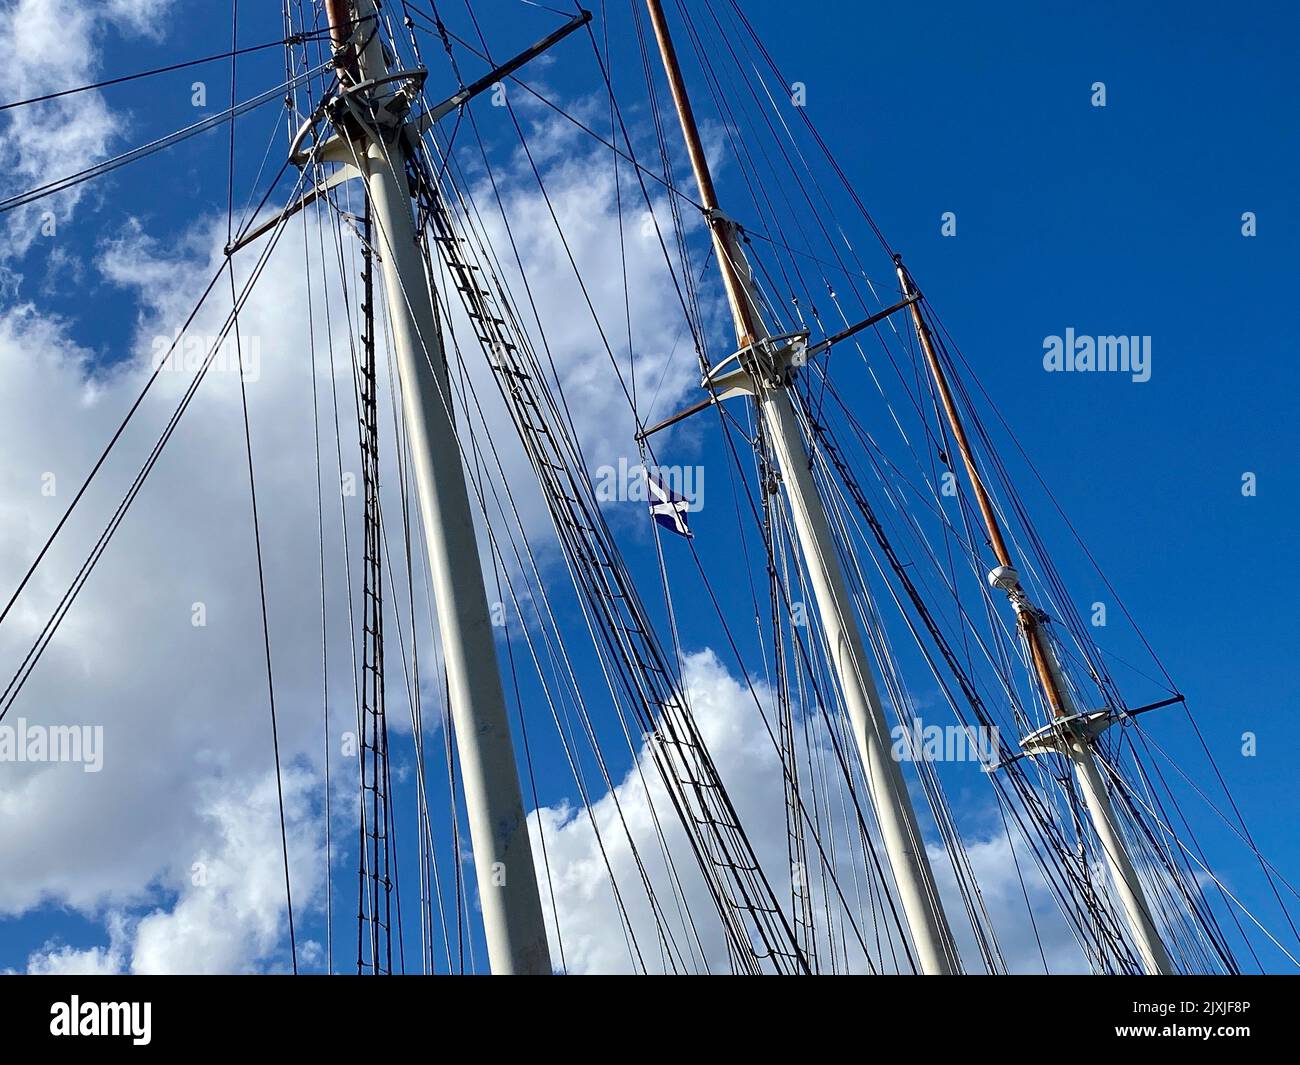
point(1071, 734)
point(1047, 677)
point(737, 294)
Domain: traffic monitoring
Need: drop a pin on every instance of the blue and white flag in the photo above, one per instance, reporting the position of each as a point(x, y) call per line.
point(668, 508)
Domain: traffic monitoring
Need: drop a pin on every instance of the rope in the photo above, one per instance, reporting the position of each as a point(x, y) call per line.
point(252, 491)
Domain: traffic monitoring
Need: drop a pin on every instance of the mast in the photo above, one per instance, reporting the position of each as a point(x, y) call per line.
point(1071, 733)
point(761, 368)
point(375, 141)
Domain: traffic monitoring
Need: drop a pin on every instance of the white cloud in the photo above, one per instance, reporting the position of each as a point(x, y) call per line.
point(228, 913)
point(231, 909)
point(589, 919)
point(54, 959)
point(55, 45)
point(187, 757)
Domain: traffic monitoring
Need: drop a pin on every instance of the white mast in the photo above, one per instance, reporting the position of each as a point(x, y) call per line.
point(1071, 733)
point(761, 369)
point(503, 860)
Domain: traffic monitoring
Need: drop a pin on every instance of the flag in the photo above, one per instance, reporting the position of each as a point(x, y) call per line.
point(668, 508)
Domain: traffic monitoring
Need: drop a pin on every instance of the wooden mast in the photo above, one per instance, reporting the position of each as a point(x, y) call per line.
point(1047, 677)
point(1070, 733)
point(765, 365)
point(742, 308)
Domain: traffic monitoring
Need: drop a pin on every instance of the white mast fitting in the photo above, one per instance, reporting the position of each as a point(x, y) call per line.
point(374, 140)
point(761, 368)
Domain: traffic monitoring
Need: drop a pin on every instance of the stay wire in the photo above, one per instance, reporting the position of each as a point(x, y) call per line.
point(107, 166)
point(288, 41)
point(252, 490)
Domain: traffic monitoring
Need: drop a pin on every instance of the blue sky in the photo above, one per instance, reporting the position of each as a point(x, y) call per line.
point(1122, 219)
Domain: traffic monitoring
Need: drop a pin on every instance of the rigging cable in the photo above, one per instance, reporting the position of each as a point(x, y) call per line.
point(286, 42)
point(109, 165)
point(252, 491)
point(28, 664)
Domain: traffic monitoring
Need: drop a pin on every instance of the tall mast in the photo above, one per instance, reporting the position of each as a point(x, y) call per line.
point(761, 368)
point(1071, 733)
point(375, 140)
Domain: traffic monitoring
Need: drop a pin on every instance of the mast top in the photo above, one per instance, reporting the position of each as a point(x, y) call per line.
point(749, 326)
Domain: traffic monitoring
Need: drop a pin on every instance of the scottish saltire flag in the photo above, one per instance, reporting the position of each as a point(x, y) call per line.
point(668, 508)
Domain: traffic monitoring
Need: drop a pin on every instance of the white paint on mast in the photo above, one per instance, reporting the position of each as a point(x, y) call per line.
point(761, 368)
point(503, 861)
point(1150, 947)
point(1073, 734)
